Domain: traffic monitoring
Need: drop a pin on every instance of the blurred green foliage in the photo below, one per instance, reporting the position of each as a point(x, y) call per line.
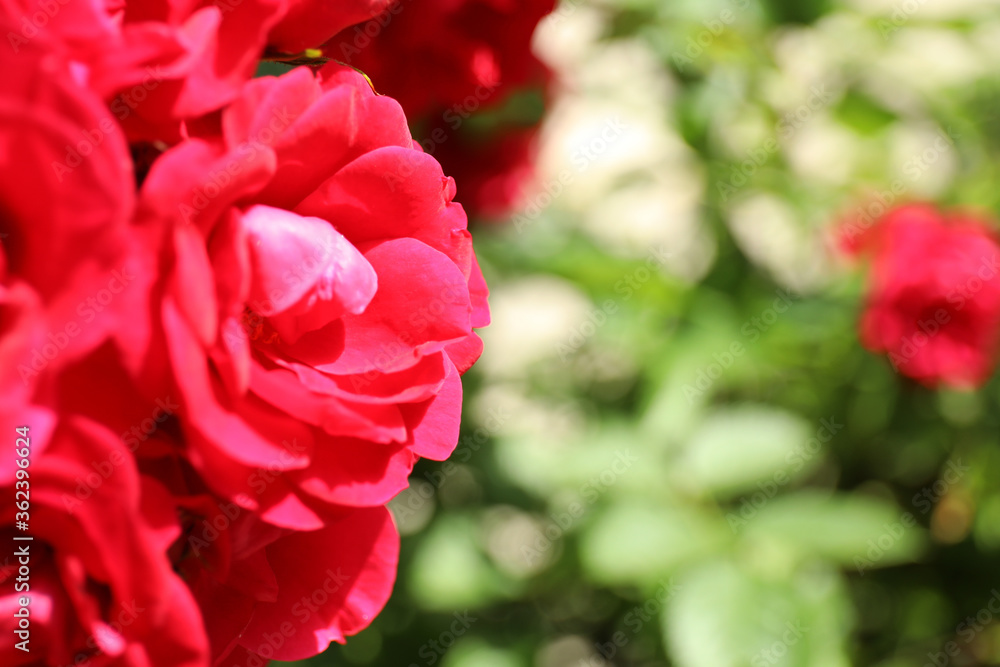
point(701, 467)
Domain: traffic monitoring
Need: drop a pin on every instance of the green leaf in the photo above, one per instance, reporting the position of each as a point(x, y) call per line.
point(637, 544)
point(726, 616)
point(852, 529)
point(449, 571)
point(476, 653)
point(738, 449)
point(863, 114)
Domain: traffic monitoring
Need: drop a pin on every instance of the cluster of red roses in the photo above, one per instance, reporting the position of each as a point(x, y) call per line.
point(233, 314)
point(934, 292)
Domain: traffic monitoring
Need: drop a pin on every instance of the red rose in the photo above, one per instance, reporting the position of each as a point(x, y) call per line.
point(320, 297)
point(934, 294)
point(316, 308)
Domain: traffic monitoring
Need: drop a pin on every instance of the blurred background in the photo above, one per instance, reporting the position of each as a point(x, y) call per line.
point(674, 450)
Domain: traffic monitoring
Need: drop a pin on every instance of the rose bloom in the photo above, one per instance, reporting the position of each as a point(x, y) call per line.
point(316, 296)
point(311, 297)
point(933, 302)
